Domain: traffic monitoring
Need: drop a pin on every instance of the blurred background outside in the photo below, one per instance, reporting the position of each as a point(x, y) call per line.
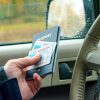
point(21, 19)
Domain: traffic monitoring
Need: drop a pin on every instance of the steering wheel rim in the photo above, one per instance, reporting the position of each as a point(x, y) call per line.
point(91, 41)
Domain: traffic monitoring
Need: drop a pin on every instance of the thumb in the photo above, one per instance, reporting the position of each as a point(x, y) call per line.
point(25, 62)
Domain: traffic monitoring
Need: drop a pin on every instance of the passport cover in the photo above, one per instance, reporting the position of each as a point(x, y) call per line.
point(50, 35)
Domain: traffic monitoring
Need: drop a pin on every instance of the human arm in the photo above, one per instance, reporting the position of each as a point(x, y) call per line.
point(15, 69)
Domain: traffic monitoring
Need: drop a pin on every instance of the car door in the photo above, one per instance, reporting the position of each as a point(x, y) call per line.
point(21, 20)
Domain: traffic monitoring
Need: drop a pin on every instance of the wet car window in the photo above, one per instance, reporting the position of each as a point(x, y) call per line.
point(20, 20)
point(73, 16)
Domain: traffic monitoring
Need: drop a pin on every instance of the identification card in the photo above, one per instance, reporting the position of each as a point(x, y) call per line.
point(45, 49)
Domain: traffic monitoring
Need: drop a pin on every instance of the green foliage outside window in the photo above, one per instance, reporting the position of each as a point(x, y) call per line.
point(21, 19)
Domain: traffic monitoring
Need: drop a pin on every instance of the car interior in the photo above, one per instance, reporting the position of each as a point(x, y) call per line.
point(76, 73)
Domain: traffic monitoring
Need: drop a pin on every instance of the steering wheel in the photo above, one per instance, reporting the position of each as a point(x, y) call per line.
point(88, 58)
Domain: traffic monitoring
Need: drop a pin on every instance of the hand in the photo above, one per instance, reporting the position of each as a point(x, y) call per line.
point(15, 69)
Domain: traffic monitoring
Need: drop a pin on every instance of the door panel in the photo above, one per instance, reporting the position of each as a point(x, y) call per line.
point(67, 51)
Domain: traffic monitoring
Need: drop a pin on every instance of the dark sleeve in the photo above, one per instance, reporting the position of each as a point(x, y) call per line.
point(9, 90)
point(3, 75)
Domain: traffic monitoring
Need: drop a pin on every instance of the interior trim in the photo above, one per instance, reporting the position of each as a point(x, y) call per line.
point(67, 51)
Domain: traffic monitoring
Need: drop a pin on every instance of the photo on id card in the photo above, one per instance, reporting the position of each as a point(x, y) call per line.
point(46, 44)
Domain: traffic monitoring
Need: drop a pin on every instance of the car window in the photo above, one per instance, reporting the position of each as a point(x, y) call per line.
point(20, 20)
point(73, 16)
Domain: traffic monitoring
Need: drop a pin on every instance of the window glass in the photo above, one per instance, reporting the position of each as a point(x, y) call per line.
point(21, 19)
point(73, 16)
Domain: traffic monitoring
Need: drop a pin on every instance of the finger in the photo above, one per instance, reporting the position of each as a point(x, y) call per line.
point(25, 62)
point(37, 81)
point(35, 84)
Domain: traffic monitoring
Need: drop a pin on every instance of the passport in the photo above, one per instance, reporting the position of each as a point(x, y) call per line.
point(46, 43)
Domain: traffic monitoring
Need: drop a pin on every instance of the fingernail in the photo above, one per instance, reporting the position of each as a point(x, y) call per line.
point(36, 76)
point(37, 55)
point(31, 54)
